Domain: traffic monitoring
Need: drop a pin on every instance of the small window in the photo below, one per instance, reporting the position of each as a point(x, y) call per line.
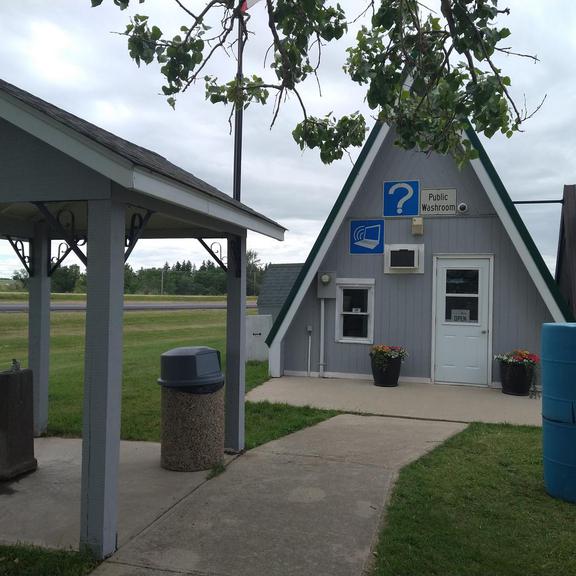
point(355, 312)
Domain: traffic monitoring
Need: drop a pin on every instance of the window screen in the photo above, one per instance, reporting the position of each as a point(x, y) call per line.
point(355, 300)
point(355, 326)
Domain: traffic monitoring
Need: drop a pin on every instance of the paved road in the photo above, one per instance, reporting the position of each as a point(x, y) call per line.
point(128, 306)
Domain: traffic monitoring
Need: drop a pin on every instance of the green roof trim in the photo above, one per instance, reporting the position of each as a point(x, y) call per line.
point(323, 233)
point(501, 190)
point(520, 226)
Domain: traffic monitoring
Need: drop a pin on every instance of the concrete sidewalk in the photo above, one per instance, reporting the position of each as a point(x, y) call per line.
point(309, 504)
point(408, 400)
point(43, 508)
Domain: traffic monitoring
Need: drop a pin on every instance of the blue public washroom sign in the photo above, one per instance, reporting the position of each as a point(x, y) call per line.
point(402, 198)
point(366, 236)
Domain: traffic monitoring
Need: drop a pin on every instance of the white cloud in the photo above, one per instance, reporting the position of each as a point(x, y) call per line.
point(49, 52)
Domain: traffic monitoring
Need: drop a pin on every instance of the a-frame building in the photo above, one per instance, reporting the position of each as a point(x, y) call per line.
point(419, 253)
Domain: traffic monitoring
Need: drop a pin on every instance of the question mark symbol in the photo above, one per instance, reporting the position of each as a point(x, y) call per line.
point(409, 193)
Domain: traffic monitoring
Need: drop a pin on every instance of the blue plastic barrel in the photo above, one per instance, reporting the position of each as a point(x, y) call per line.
point(558, 378)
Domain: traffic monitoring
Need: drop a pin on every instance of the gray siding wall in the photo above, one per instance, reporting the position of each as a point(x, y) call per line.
point(403, 302)
point(33, 170)
point(272, 311)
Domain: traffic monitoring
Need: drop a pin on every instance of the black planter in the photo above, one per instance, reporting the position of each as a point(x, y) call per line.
point(516, 378)
point(388, 374)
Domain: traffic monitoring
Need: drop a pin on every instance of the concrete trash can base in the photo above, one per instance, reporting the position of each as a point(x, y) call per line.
point(192, 409)
point(192, 430)
point(16, 424)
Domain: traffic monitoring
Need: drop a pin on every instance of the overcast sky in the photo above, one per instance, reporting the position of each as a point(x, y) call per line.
point(64, 51)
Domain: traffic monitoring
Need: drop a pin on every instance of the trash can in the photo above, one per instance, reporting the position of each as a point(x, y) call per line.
point(559, 410)
point(16, 424)
point(192, 409)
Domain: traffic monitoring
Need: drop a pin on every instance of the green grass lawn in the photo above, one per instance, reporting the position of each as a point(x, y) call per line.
point(476, 506)
point(146, 336)
point(70, 297)
point(30, 561)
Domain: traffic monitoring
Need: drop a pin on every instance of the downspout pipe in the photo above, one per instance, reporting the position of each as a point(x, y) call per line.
point(322, 314)
point(309, 358)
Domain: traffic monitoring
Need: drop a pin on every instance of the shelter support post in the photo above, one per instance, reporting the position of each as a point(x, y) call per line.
point(39, 324)
point(235, 344)
point(102, 377)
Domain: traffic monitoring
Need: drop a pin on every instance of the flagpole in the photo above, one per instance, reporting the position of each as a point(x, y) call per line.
point(239, 113)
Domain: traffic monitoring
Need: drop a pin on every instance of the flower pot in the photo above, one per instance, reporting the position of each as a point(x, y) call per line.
point(516, 378)
point(388, 373)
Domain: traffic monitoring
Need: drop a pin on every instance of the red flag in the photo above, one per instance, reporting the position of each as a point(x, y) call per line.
point(247, 4)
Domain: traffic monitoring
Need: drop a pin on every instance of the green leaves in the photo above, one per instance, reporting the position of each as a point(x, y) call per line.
point(301, 26)
point(413, 82)
point(178, 57)
point(333, 137)
point(122, 4)
point(430, 75)
point(250, 90)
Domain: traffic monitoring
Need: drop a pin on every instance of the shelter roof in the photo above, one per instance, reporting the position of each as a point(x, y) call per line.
point(133, 167)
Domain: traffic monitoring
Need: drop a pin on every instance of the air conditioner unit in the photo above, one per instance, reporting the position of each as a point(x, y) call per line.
point(404, 258)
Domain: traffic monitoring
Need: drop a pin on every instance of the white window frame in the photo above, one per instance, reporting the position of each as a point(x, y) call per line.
point(354, 283)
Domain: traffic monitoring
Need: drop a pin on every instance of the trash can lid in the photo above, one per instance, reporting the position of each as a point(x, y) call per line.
point(191, 351)
point(190, 366)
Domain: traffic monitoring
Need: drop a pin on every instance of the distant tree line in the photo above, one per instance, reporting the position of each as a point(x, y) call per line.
point(182, 278)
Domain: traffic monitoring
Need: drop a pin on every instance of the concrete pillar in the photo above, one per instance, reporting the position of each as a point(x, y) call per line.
point(102, 377)
point(39, 324)
point(235, 344)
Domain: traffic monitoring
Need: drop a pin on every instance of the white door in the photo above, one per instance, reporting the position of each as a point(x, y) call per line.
point(463, 308)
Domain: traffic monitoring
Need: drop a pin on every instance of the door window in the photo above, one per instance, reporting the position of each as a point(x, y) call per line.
point(462, 296)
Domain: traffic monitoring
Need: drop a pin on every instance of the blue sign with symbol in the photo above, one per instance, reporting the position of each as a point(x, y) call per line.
point(402, 198)
point(366, 236)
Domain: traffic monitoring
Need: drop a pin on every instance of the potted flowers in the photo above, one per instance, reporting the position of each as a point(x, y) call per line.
point(386, 362)
point(517, 371)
